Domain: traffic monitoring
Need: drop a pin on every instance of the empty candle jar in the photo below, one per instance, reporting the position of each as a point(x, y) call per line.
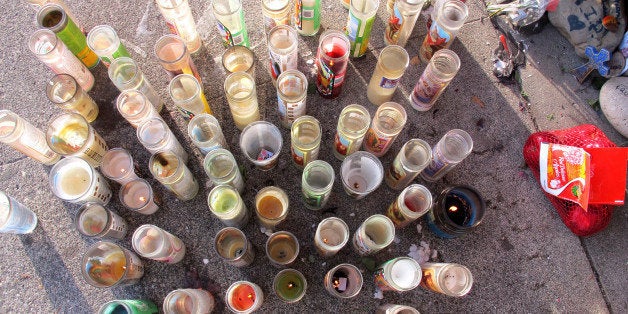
point(275, 12)
point(387, 123)
point(317, 181)
point(135, 107)
point(442, 68)
point(343, 281)
point(95, 221)
point(291, 96)
point(221, 168)
point(156, 136)
point(73, 180)
point(126, 74)
point(412, 203)
point(361, 174)
point(403, 16)
point(244, 297)
point(15, 217)
point(239, 59)
point(413, 157)
point(261, 143)
point(152, 242)
point(128, 306)
point(331, 236)
point(71, 135)
point(389, 308)
point(181, 301)
point(448, 278)
point(305, 140)
point(242, 98)
point(373, 235)
point(359, 24)
point(174, 56)
point(106, 264)
point(447, 18)
point(206, 133)
point(283, 44)
point(180, 21)
point(390, 67)
point(332, 58)
point(290, 285)
point(306, 17)
point(271, 206)
point(170, 170)
point(117, 165)
point(104, 41)
point(137, 195)
point(452, 149)
point(230, 22)
point(282, 248)
point(25, 138)
point(353, 123)
point(398, 274)
point(187, 94)
point(456, 211)
point(227, 205)
point(51, 51)
point(64, 92)
point(233, 247)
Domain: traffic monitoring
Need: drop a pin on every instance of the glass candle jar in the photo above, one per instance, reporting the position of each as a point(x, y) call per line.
point(456, 211)
point(442, 68)
point(106, 265)
point(261, 144)
point(64, 92)
point(412, 203)
point(52, 52)
point(137, 195)
point(188, 301)
point(353, 123)
point(227, 205)
point(222, 168)
point(332, 234)
point(373, 235)
point(233, 247)
point(452, 149)
point(447, 18)
point(128, 306)
point(283, 44)
point(389, 308)
point(332, 58)
point(169, 169)
point(398, 274)
point(361, 174)
point(316, 184)
point(95, 221)
point(70, 135)
point(135, 107)
point(413, 157)
point(117, 165)
point(305, 139)
point(306, 17)
point(25, 138)
point(206, 133)
point(187, 94)
point(36, 4)
point(242, 97)
point(15, 217)
point(275, 12)
point(180, 21)
point(54, 18)
point(244, 297)
point(104, 41)
point(390, 67)
point(239, 59)
point(174, 56)
point(72, 179)
point(343, 281)
point(230, 22)
point(290, 285)
point(271, 206)
point(447, 278)
point(389, 120)
point(125, 75)
point(152, 242)
point(155, 135)
point(359, 24)
point(403, 16)
point(291, 95)
point(282, 248)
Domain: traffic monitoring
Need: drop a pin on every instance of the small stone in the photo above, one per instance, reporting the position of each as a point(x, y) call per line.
point(205, 261)
point(396, 240)
point(352, 214)
point(419, 228)
point(378, 294)
point(613, 100)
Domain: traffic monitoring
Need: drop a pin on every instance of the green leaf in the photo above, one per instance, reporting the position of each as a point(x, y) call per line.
point(575, 190)
point(550, 116)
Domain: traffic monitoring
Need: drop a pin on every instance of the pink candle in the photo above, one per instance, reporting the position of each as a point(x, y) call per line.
point(137, 195)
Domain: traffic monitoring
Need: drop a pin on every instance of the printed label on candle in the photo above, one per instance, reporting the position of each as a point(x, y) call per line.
point(436, 39)
point(426, 90)
point(289, 111)
point(315, 200)
point(307, 12)
point(36, 143)
point(437, 165)
point(376, 144)
point(395, 214)
point(395, 24)
point(428, 280)
point(172, 26)
point(388, 83)
point(188, 115)
point(359, 33)
point(327, 79)
point(396, 172)
point(381, 282)
point(280, 63)
point(229, 38)
point(359, 243)
point(343, 145)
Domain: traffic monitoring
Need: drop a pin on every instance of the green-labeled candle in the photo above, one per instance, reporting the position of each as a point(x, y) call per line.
point(225, 203)
point(290, 285)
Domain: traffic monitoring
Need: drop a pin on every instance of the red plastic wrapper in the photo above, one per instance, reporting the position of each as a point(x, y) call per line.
point(580, 221)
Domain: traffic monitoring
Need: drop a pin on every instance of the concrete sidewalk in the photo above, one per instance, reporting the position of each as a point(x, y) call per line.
point(522, 257)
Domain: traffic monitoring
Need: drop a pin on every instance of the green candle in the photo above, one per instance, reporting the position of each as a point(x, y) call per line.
point(290, 285)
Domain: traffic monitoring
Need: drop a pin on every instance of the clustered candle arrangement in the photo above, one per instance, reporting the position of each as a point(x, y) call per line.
point(62, 46)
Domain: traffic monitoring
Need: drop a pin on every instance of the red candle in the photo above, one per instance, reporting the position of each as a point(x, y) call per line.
point(242, 297)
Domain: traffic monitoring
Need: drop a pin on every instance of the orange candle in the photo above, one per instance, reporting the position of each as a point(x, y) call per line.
point(244, 297)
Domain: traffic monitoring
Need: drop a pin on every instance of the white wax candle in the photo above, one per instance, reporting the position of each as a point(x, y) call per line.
point(73, 182)
point(403, 273)
point(331, 236)
point(455, 279)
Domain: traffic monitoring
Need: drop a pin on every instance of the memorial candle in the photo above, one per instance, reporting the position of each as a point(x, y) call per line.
point(64, 92)
point(271, 206)
point(137, 195)
point(106, 264)
point(187, 94)
point(398, 274)
point(317, 181)
point(413, 157)
point(117, 165)
point(275, 12)
point(242, 97)
point(456, 211)
point(126, 74)
point(332, 58)
point(183, 301)
point(135, 107)
point(230, 22)
point(395, 309)
point(373, 235)
point(71, 135)
point(282, 248)
point(25, 138)
point(234, 248)
point(180, 21)
point(331, 235)
point(290, 285)
point(174, 56)
point(353, 123)
point(72, 179)
point(390, 67)
point(343, 281)
point(305, 140)
point(152, 242)
point(244, 297)
point(239, 59)
point(221, 168)
point(225, 203)
point(412, 203)
point(156, 136)
point(104, 41)
point(447, 278)
point(283, 44)
point(128, 307)
point(206, 133)
point(307, 16)
point(361, 174)
point(169, 169)
point(94, 220)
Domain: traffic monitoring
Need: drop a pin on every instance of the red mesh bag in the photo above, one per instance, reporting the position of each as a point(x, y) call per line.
point(579, 221)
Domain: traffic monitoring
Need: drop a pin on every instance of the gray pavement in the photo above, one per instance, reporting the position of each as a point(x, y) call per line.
point(522, 257)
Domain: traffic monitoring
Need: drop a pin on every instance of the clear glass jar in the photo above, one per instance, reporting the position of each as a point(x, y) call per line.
point(187, 94)
point(452, 148)
point(403, 16)
point(25, 138)
point(353, 124)
point(442, 68)
point(180, 21)
point(447, 18)
point(222, 168)
point(64, 92)
point(170, 170)
point(156, 136)
point(359, 24)
point(206, 133)
point(174, 56)
point(291, 96)
point(305, 138)
point(317, 182)
point(390, 67)
point(413, 157)
point(135, 107)
point(150, 241)
point(189, 301)
point(306, 17)
point(275, 12)
point(104, 41)
point(227, 205)
point(283, 44)
point(332, 58)
point(126, 74)
point(69, 134)
point(230, 22)
point(242, 97)
point(387, 123)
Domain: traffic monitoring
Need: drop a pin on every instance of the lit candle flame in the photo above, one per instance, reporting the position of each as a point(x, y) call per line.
point(142, 199)
point(453, 208)
point(290, 285)
point(336, 283)
point(324, 240)
point(250, 296)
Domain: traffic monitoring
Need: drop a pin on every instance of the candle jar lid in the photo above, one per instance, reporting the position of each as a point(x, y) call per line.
point(290, 285)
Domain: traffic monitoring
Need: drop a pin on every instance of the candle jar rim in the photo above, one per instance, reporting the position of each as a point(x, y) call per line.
point(38, 36)
point(289, 236)
point(167, 39)
point(349, 110)
point(154, 122)
point(105, 30)
point(290, 32)
point(235, 77)
point(223, 233)
point(169, 4)
point(283, 199)
point(133, 94)
point(323, 164)
point(456, 158)
point(410, 144)
point(144, 229)
point(259, 296)
point(442, 18)
point(467, 286)
point(363, 11)
point(248, 55)
point(389, 225)
point(294, 75)
point(345, 237)
point(445, 56)
point(298, 274)
point(224, 13)
point(399, 52)
point(122, 63)
point(58, 123)
point(128, 185)
point(231, 212)
point(294, 136)
point(418, 274)
point(215, 154)
point(179, 79)
point(412, 6)
point(271, 128)
point(174, 295)
point(109, 154)
point(337, 34)
point(68, 161)
point(63, 79)
point(480, 210)
point(205, 119)
point(82, 210)
point(172, 158)
point(348, 268)
point(105, 245)
point(384, 110)
point(48, 8)
point(16, 123)
point(266, 7)
point(363, 154)
point(402, 197)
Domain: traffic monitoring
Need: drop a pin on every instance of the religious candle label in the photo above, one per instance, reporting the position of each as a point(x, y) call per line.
point(264, 154)
point(315, 200)
point(381, 282)
point(359, 33)
point(428, 280)
point(375, 143)
point(395, 24)
point(426, 91)
point(327, 78)
point(436, 39)
point(229, 38)
point(306, 13)
point(388, 83)
point(343, 145)
point(395, 214)
point(438, 164)
point(301, 157)
point(396, 172)
point(359, 243)
point(289, 111)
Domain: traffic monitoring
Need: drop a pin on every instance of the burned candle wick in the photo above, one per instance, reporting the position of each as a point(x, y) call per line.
point(356, 185)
